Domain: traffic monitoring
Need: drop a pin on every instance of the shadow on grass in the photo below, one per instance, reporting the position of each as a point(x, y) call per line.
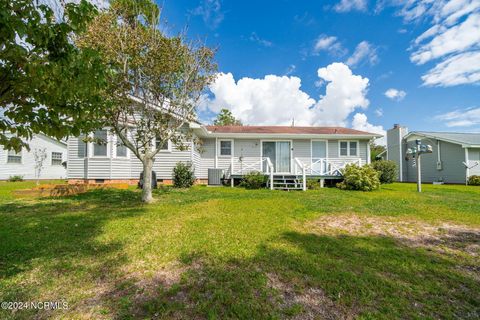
point(56, 238)
point(309, 276)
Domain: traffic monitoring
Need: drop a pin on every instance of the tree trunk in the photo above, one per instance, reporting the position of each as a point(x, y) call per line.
point(147, 180)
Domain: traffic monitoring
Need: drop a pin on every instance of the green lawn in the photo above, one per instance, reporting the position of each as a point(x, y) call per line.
point(252, 254)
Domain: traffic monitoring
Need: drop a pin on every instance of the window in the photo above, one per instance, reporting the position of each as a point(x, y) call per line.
point(344, 148)
point(162, 146)
point(353, 148)
point(225, 147)
point(121, 149)
point(14, 157)
point(56, 158)
point(348, 148)
point(100, 147)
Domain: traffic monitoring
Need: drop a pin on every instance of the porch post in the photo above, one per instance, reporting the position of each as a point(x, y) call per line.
point(304, 179)
point(271, 178)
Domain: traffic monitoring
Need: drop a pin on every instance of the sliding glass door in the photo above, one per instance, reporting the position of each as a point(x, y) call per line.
point(279, 154)
point(319, 152)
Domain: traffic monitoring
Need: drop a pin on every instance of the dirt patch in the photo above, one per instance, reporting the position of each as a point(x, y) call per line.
point(440, 237)
point(313, 301)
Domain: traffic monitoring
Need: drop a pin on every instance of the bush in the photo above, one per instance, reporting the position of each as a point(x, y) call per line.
point(359, 178)
point(313, 184)
point(254, 180)
point(474, 180)
point(15, 178)
point(387, 170)
point(183, 175)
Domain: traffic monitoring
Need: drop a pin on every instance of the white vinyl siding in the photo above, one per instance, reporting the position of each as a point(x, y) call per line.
point(26, 167)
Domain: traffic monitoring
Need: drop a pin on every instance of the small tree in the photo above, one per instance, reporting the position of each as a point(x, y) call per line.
point(387, 170)
point(155, 82)
point(226, 118)
point(39, 155)
point(375, 150)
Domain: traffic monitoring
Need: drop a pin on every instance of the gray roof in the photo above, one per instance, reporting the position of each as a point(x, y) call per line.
point(454, 137)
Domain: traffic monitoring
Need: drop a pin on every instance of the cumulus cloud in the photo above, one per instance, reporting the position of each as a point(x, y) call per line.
point(343, 94)
point(365, 52)
point(276, 100)
point(452, 42)
point(379, 112)
point(271, 100)
point(461, 118)
point(395, 94)
point(211, 12)
point(360, 122)
point(350, 5)
point(328, 44)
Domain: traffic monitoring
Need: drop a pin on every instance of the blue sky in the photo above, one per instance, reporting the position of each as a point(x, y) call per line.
point(270, 53)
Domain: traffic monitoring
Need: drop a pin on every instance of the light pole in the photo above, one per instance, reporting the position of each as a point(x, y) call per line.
point(415, 153)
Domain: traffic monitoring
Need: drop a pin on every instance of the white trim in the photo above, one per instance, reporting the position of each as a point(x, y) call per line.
point(311, 149)
point(348, 148)
point(369, 155)
point(91, 146)
point(219, 148)
point(287, 136)
point(274, 165)
point(216, 151)
point(14, 163)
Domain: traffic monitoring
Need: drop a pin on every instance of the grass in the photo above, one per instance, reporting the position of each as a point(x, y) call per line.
point(232, 253)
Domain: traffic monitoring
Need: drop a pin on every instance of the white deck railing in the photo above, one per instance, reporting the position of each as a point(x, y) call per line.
point(330, 166)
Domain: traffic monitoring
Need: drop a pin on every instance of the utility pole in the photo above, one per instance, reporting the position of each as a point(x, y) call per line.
point(419, 169)
point(415, 153)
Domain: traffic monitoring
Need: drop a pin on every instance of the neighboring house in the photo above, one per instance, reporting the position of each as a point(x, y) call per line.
point(23, 163)
point(455, 156)
point(286, 152)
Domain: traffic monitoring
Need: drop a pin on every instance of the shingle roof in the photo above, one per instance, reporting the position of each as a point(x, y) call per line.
point(460, 138)
point(286, 130)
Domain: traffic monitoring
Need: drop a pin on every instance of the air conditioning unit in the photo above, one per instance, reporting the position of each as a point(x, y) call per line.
point(215, 177)
point(439, 165)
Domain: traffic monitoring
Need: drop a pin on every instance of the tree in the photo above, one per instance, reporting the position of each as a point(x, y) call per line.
point(155, 80)
point(47, 84)
point(226, 118)
point(39, 155)
point(375, 150)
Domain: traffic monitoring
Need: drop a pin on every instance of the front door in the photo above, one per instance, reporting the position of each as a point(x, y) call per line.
point(279, 154)
point(319, 153)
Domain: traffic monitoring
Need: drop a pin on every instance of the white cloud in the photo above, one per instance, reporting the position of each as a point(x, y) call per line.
point(379, 112)
point(276, 100)
point(343, 94)
point(364, 52)
point(395, 94)
point(255, 38)
point(461, 118)
point(360, 122)
point(291, 69)
point(271, 100)
point(459, 69)
point(349, 5)
point(452, 42)
point(211, 13)
point(329, 44)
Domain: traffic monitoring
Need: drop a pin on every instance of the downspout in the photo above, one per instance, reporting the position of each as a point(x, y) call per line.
point(400, 153)
point(467, 170)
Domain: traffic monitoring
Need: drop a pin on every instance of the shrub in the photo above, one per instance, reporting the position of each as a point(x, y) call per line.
point(15, 178)
point(313, 184)
point(359, 178)
point(254, 180)
point(387, 170)
point(183, 175)
point(474, 180)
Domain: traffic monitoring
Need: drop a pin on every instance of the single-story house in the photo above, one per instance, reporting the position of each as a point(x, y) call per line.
point(286, 154)
point(455, 156)
point(23, 163)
